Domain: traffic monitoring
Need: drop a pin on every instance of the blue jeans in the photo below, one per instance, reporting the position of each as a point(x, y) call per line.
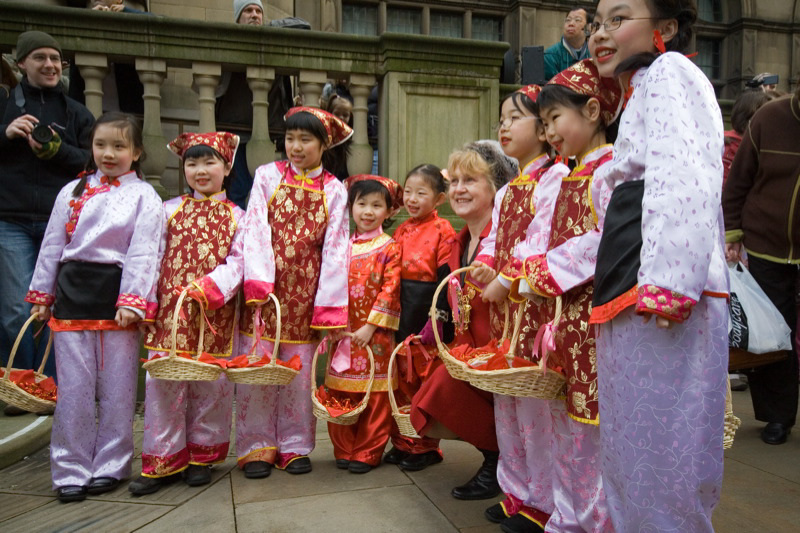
point(19, 247)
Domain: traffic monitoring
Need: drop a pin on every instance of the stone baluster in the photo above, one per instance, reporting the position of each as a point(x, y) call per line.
point(311, 84)
point(260, 149)
point(206, 78)
point(152, 73)
point(360, 160)
point(93, 68)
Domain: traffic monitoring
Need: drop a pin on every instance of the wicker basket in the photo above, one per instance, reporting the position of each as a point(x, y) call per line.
point(319, 409)
point(13, 394)
point(174, 368)
point(528, 382)
point(403, 419)
point(456, 368)
point(732, 422)
point(269, 374)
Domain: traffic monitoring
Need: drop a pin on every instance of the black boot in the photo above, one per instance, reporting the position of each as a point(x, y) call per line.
point(483, 484)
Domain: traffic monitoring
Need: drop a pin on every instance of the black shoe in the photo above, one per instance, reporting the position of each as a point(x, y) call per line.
point(342, 464)
point(257, 469)
point(357, 467)
point(148, 485)
point(775, 433)
point(496, 513)
point(71, 493)
point(395, 456)
point(519, 523)
point(197, 475)
point(99, 485)
point(300, 465)
point(483, 484)
point(420, 461)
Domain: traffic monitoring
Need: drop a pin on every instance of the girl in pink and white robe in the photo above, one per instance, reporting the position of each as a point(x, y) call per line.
point(662, 386)
point(97, 264)
point(187, 424)
point(295, 245)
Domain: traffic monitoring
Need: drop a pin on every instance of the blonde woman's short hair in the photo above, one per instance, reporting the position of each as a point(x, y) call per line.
point(484, 158)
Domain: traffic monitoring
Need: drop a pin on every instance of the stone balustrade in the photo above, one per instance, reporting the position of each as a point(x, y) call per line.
point(435, 93)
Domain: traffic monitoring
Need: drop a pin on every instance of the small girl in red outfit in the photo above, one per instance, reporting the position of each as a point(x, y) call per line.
point(373, 314)
point(426, 241)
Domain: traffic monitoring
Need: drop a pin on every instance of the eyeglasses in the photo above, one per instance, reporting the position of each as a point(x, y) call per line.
point(576, 20)
point(613, 23)
point(506, 123)
point(42, 58)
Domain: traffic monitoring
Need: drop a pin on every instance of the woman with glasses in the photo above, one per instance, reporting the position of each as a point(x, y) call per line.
point(661, 282)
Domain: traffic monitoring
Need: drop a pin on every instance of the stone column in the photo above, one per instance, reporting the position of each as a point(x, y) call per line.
point(426, 20)
point(260, 149)
point(94, 68)
point(206, 78)
point(467, 32)
point(152, 73)
point(311, 83)
point(360, 160)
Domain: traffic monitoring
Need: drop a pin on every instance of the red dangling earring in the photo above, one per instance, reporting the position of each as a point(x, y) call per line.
point(658, 42)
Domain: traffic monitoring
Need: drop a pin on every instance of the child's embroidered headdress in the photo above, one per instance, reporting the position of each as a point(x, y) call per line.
point(395, 191)
point(583, 78)
point(531, 91)
point(223, 142)
point(338, 131)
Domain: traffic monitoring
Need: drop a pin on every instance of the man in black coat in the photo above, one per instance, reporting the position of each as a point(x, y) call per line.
point(44, 143)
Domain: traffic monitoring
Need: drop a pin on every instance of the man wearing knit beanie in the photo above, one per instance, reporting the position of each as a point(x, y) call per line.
point(248, 12)
point(31, 175)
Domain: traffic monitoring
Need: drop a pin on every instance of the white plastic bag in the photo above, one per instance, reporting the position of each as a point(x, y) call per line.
point(755, 324)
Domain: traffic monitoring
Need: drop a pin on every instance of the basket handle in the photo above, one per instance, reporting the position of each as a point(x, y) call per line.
point(174, 336)
point(512, 350)
point(392, 358)
point(257, 331)
point(325, 343)
point(439, 289)
point(18, 341)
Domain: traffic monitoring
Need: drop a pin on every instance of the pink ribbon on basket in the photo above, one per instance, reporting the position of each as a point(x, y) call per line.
point(453, 290)
point(546, 339)
point(341, 360)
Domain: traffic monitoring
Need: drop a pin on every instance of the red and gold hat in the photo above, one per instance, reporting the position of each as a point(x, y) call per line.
point(395, 191)
point(531, 91)
point(338, 131)
point(583, 78)
point(223, 142)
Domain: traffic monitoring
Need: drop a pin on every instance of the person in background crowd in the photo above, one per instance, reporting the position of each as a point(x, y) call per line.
point(572, 47)
point(234, 110)
point(31, 174)
point(761, 216)
point(743, 110)
point(122, 89)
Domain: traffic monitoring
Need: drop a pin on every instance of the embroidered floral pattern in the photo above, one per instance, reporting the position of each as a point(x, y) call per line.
point(539, 277)
point(199, 237)
point(662, 302)
point(131, 300)
point(77, 203)
point(575, 342)
point(375, 270)
point(41, 298)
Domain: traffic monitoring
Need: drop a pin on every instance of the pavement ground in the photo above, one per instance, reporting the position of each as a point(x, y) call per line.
point(760, 492)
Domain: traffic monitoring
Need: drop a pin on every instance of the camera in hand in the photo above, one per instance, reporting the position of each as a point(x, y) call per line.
point(42, 134)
